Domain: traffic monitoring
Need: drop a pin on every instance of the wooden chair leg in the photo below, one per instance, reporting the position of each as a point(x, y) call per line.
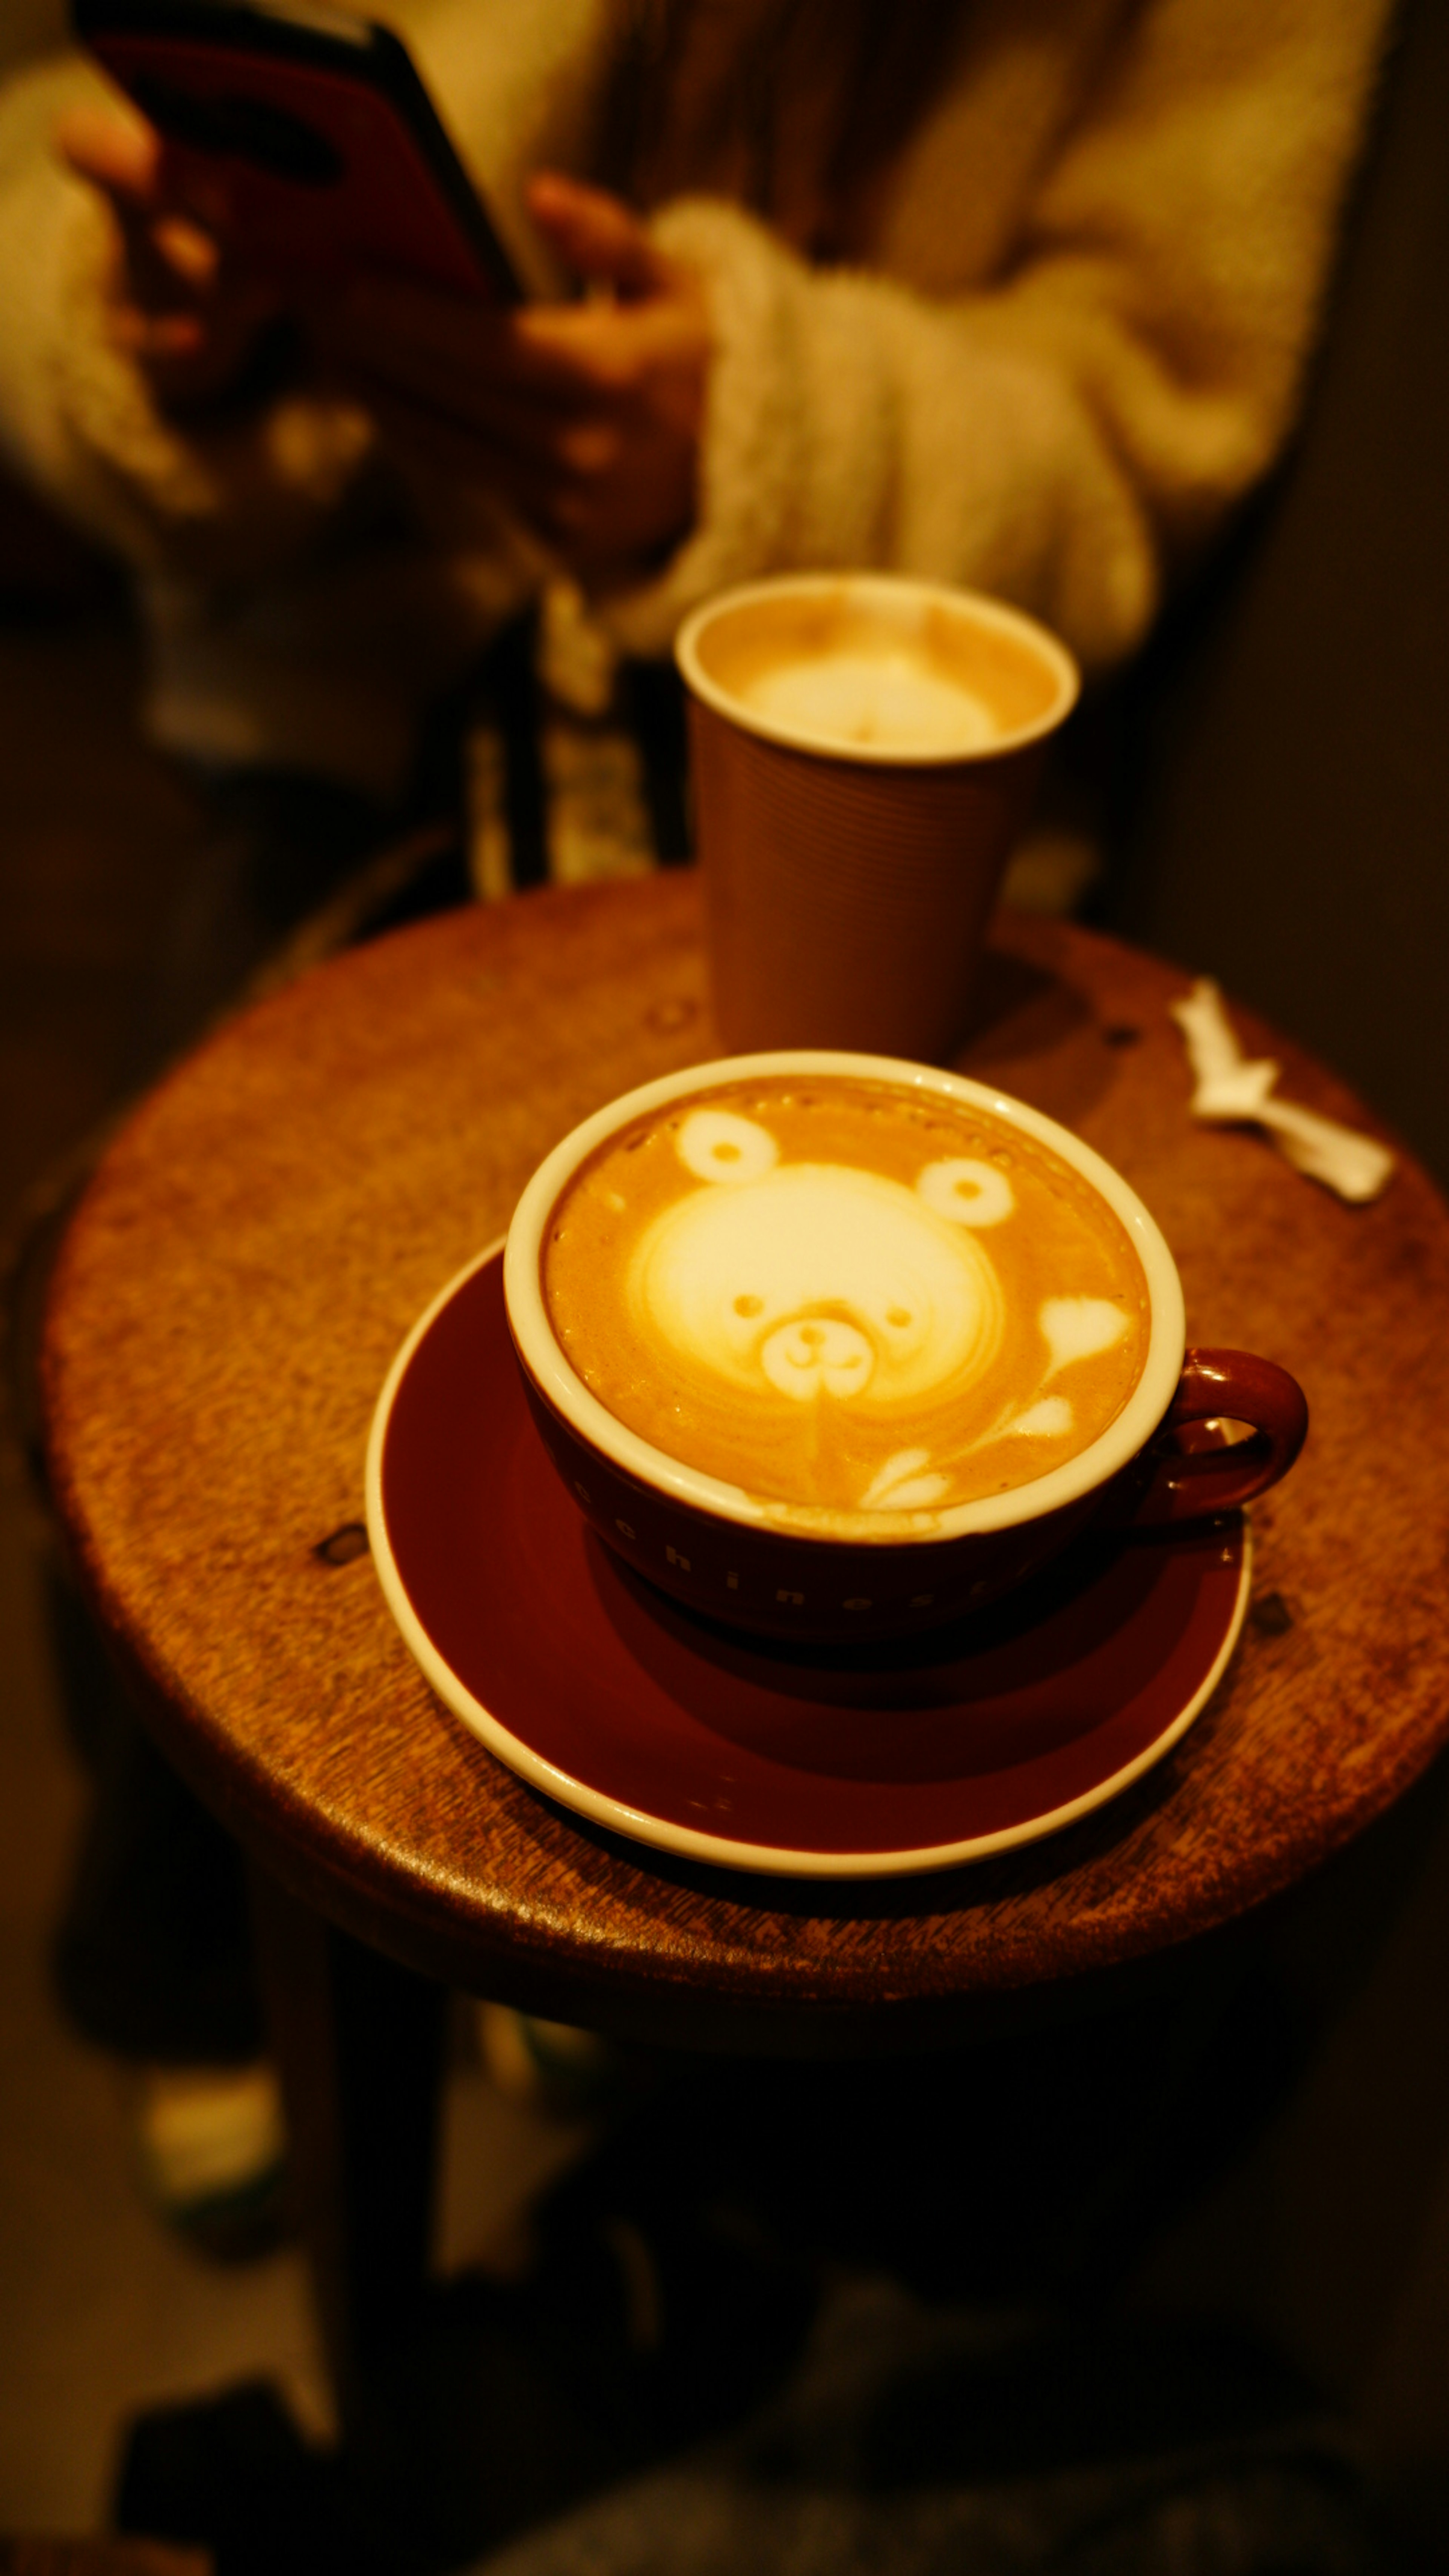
point(359, 2044)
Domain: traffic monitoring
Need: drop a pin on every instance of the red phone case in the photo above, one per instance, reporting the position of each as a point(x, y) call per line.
point(320, 149)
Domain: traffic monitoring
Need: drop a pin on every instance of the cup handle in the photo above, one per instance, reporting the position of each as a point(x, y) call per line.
point(1189, 1484)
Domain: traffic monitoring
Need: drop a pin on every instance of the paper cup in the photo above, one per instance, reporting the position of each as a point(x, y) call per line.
point(863, 752)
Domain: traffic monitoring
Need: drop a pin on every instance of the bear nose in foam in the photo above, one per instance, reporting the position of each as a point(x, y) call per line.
point(817, 1355)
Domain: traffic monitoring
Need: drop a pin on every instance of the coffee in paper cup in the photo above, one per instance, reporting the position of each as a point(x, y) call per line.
point(863, 752)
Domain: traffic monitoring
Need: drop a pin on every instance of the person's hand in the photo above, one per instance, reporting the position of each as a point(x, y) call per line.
point(183, 302)
point(584, 416)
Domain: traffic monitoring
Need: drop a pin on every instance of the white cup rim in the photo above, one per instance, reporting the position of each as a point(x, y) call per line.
point(1078, 1477)
point(885, 590)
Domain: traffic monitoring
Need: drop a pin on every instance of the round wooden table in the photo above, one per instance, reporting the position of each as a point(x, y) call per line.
point(273, 1218)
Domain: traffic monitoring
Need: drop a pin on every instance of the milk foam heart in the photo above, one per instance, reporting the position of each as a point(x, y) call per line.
point(845, 1295)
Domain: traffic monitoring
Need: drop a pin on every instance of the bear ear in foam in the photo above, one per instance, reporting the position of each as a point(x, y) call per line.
point(716, 1145)
point(968, 1192)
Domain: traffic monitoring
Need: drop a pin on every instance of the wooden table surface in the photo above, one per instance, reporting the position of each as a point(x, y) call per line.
point(271, 1221)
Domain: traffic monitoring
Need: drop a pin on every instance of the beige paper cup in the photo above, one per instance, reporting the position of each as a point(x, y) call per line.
point(863, 752)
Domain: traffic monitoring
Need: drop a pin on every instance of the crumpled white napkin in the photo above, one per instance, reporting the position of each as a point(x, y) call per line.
point(1230, 1087)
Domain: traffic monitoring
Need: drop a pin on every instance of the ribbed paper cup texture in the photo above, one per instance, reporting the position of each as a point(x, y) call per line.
point(847, 896)
point(847, 907)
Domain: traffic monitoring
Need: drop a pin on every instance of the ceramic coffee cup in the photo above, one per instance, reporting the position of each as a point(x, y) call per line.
point(832, 1346)
point(863, 751)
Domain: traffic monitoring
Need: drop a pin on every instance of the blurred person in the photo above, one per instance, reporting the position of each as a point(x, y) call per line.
point(1012, 293)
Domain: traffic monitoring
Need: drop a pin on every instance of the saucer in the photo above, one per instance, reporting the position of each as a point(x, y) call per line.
point(812, 1761)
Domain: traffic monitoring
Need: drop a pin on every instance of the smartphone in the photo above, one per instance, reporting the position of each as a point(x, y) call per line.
point(309, 132)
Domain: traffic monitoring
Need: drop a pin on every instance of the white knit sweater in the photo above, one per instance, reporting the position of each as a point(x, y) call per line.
point(1066, 335)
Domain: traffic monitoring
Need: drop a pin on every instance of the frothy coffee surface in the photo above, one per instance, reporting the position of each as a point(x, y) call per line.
point(835, 668)
point(891, 699)
point(845, 1295)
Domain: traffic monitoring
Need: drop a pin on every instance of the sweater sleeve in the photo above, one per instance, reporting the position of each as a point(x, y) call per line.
point(1070, 431)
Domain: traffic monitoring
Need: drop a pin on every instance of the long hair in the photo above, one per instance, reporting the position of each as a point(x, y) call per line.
point(793, 108)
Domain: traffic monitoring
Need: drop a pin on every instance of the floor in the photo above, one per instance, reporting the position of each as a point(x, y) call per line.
point(1331, 2236)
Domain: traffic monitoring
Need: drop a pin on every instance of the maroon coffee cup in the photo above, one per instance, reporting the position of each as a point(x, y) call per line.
point(799, 1571)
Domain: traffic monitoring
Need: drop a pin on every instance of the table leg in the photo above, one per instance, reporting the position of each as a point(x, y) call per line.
point(359, 2044)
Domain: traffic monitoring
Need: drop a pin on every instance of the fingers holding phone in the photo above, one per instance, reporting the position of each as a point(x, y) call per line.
point(282, 164)
point(185, 302)
point(586, 416)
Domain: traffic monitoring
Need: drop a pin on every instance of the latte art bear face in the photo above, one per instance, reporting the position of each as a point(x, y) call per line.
point(816, 1281)
point(880, 1327)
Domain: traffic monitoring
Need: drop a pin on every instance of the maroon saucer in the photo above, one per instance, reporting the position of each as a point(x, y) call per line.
point(903, 1757)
